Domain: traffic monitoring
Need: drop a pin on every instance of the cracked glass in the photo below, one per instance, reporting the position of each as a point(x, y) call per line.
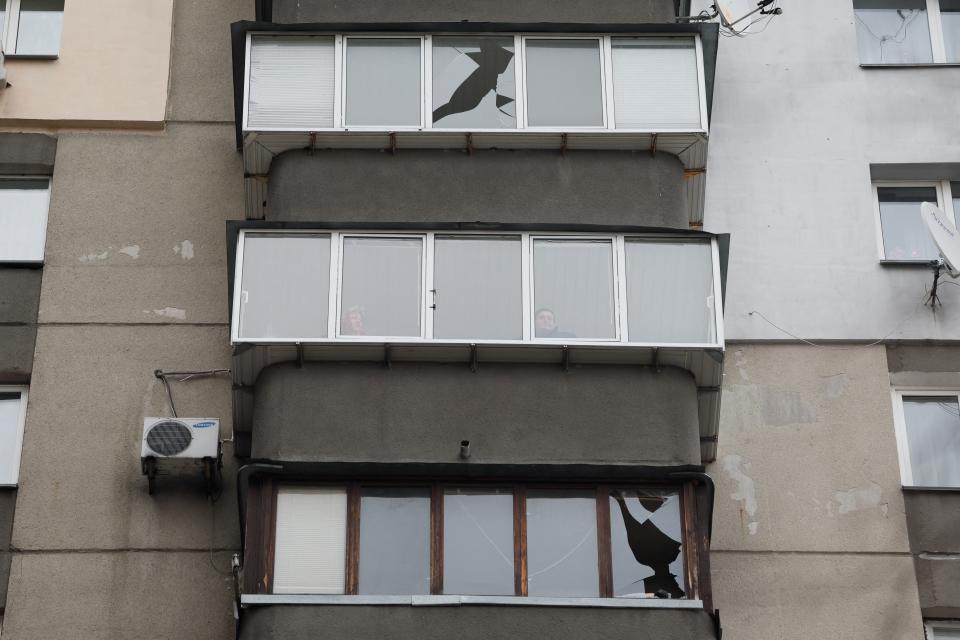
point(646, 546)
point(474, 83)
point(478, 542)
point(892, 31)
point(562, 544)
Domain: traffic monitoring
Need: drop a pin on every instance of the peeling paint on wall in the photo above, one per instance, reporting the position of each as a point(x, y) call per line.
point(836, 385)
point(132, 250)
point(781, 407)
point(170, 312)
point(746, 494)
point(860, 499)
point(739, 362)
point(185, 249)
point(90, 257)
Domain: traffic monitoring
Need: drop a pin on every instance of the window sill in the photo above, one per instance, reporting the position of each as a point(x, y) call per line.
point(915, 488)
point(907, 263)
point(907, 65)
point(456, 601)
point(31, 56)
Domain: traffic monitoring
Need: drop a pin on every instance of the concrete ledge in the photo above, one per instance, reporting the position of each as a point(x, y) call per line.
point(456, 601)
point(27, 153)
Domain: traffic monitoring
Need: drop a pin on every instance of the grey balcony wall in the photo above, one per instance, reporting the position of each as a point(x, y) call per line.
point(578, 187)
point(294, 11)
point(19, 303)
point(512, 414)
point(472, 623)
point(27, 154)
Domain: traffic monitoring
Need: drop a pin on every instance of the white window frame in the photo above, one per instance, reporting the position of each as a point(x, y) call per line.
point(24, 393)
point(931, 627)
point(426, 84)
point(938, 47)
point(900, 424)
point(618, 241)
point(10, 32)
point(46, 216)
point(944, 202)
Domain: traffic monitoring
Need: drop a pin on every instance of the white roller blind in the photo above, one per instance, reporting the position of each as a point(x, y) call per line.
point(291, 82)
point(311, 541)
point(655, 83)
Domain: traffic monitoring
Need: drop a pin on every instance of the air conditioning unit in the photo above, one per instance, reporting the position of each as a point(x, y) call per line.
point(181, 446)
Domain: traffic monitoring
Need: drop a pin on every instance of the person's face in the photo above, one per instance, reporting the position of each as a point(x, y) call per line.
point(546, 322)
point(355, 322)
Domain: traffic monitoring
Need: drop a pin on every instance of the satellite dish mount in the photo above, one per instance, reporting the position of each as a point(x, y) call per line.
point(945, 236)
point(726, 16)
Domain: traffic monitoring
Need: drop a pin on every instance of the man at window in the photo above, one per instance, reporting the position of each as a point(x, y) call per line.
point(547, 326)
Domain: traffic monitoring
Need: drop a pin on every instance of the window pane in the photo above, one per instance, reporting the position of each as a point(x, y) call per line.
point(933, 438)
point(478, 288)
point(563, 83)
point(892, 31)
point(474, 83)
point(645, 537)
point(284, 291)
point(562, 544)
point(311, 540)
point(41, 22)
point(655, 83)
point(291, 82)
point(10, 437)
point(573, 289)
point(905, 236)
point(955, 190)
point(670, 292)
point(383, 81)
point(950, 17)
point(394, 541)
point(478, 542)
point(381, 289)
point(23, 219)
point(945, 633)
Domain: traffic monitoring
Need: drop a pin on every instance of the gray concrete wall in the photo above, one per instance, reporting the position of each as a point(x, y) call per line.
point(512, 414)
point(579, 187)
point(290, 11)
point(27, 153)
point(473, 623)
point(796, 125)
point(810, 528)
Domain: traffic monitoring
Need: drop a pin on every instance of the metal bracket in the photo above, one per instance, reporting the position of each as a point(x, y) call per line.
point(300, 357)
point(470, 144)
point(387, 356)
point(565, 363)
point(653, 145)
point(393, 142)
point(474, 358)
point(313, 142)
point(656, 360)
point(563, 144)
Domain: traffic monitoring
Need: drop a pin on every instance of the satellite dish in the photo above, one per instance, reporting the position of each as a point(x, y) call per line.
point(726, 16)
point(944, 235)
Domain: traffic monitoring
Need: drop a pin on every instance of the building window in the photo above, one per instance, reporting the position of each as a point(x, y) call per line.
point(908, 31)
point(903, 236)
point(943, 630)
point(928, 437)
point(23, 218)
point(577, 542)
point(472, 83)
point(31, 27)
point(13, 411)
point(478, 287)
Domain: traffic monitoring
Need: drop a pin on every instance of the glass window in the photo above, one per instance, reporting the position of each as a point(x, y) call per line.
point(478, 542)
point(382, 287)
point(562, 544)
point(655, 83)
point(933, 439)
point(564, 86)
point(285, 286)
point(12, 408)
point(311, 541)
point(892, 31)
point(291, 82)
point(474, 83)
point(23, 218)
point(938, 632)
point(573, 289)
point(670, 291)
point(950, 19)
point(478, 290)
point(383, 82)
point(39, 27)
point(646, 543)
point(905, 236)
point(394, 541)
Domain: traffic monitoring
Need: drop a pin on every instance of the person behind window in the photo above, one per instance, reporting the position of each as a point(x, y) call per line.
point(547, 326)
point(351, 322)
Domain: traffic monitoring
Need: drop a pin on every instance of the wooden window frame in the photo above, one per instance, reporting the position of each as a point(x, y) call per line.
point(260, 549)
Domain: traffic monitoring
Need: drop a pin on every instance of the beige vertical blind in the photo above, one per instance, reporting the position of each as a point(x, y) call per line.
point(655, 83)
point(311, 541)
point(292, 82)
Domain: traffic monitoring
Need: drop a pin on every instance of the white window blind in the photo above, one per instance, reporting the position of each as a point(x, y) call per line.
point(311, 541)
point(655, 83)
point(23, 218)
point(292, 82)
point(13, 403)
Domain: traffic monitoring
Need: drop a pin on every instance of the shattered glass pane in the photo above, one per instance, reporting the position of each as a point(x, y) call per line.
point(645, 541)
point(892, 31)
point(478, 542)
point(562, 544)
point(474, 83)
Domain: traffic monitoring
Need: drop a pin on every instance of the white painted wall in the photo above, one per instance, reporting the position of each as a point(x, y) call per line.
point(796, 124)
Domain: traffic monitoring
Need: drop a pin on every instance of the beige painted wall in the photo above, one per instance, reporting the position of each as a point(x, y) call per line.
point(112, 71)
point(810, 536)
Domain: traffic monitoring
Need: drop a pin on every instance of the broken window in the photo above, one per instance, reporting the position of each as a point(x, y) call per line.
point(646, 544)
point(383, 82)
point(893, 31)
point(394, 541)
point(478, 542)
point(562, 544)
point(474, 83)
point(563, 79)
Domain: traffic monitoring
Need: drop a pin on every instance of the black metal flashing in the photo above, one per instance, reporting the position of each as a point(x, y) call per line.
point(238, 35)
